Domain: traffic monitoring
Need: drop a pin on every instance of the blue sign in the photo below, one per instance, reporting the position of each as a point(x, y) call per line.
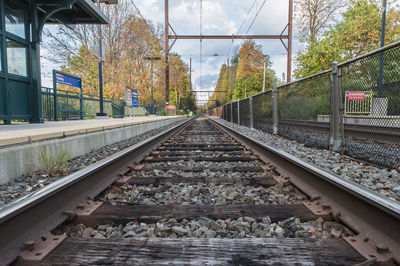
point(135, 98)
point(68, 80)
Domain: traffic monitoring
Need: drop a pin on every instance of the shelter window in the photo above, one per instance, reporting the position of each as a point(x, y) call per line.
point(16, 58)
point(15, 19)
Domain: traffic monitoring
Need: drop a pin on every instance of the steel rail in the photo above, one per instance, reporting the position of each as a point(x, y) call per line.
point(34, 215)
point(363, 131)
point(364, 211)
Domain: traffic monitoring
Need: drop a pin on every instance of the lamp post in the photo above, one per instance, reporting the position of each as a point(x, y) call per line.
point(151, 62)
point(101, 113)
point(380, 85)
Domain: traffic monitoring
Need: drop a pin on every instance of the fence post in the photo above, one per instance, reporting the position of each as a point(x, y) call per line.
point(81, 104)
point(251, 110)
point(55, 96)
point(238, 108)
point(275, 108)
point(231, 112)
point(335, 139)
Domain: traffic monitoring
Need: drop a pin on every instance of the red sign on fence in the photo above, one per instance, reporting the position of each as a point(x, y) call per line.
point(171, 107)
point(356, 95)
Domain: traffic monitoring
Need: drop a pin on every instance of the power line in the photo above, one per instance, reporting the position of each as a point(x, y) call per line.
point(258, 12)
point(254, 19)
point(248, 13)
point(137, 9)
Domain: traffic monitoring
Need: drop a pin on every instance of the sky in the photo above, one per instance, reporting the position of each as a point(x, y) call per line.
point(224, 17)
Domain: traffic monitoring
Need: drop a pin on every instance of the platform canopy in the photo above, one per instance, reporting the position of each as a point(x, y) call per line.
point(21, 27)
point(80, 11)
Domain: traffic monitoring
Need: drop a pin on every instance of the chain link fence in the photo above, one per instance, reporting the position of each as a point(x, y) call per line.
point(301, 105)
point(370, 88)
point(244, 107)
point(353, 108)
point(262, 111)
point(235, 114)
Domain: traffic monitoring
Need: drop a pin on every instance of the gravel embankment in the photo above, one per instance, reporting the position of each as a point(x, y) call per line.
point(383, 180)
point(24, 185)
point(243, 227)
point(205, 194)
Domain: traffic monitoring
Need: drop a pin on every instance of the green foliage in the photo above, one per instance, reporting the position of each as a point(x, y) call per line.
point(306, 99)
point(180, 93)
point(358, 33)
point(54, 164)
point(245, 75)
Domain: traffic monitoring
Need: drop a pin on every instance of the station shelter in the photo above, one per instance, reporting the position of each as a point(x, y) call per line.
point(21, 26)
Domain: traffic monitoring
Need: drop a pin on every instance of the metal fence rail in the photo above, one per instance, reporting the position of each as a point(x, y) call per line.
point(71, 105)
point(353, 108)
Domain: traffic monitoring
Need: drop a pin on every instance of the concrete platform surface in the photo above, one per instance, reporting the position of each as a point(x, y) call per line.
point(20, 144)
point(24, 132)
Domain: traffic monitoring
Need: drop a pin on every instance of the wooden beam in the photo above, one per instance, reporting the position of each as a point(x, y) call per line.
point(124, 213)
point(189, 251)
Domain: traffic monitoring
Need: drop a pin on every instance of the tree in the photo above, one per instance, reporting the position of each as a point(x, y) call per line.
point(358, 33)
point(313, 16)
point(250, 69)
point(245, 75)
point(128, 39)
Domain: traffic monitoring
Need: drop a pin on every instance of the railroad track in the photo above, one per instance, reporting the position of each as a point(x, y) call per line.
point(201, 193)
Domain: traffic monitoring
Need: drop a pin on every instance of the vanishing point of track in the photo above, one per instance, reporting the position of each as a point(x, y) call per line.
point(168, 192)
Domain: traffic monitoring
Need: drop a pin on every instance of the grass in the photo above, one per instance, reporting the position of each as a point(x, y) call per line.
point(54, 164)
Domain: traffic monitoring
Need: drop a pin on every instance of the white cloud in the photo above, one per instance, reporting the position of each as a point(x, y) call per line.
point(219, 17)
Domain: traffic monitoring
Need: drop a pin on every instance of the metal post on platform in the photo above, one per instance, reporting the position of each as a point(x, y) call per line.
point(251, 110)
point(55, 96)
point(238, 110)
point(335, 138)
point(275, 99)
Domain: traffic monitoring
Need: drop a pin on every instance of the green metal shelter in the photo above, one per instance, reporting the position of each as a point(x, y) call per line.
point(21, 26)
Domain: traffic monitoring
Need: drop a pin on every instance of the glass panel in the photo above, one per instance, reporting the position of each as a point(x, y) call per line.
point(15, 19)
point(16, 58)
point(1, 53)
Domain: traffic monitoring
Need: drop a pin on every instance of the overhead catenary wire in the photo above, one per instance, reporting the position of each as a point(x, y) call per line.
point(240, 27)
point(251, 25)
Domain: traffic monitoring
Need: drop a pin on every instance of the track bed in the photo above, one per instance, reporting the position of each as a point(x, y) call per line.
point(201, 198)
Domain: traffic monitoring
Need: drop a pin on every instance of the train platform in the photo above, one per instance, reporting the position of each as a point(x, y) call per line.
point(20, 143)
point(21, 133)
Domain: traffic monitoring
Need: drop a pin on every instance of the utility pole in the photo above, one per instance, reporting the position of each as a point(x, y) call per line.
point(166, 48)
point(101, 113)
point(152, 90)
point(380, 85)
point(190, 73)
point(289, 47)
point(245, 88)
point(229, 87)
point(264, 76)
point(101, 98)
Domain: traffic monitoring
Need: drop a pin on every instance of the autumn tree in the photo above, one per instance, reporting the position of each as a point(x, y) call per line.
point(128, 40)
point(180, 93)
point(245, 75)
point(250, 69)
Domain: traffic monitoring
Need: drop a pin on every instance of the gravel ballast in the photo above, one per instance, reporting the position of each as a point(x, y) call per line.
point(383, 180)
point(23, 185)
point(205, 194)
point(243, 227)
